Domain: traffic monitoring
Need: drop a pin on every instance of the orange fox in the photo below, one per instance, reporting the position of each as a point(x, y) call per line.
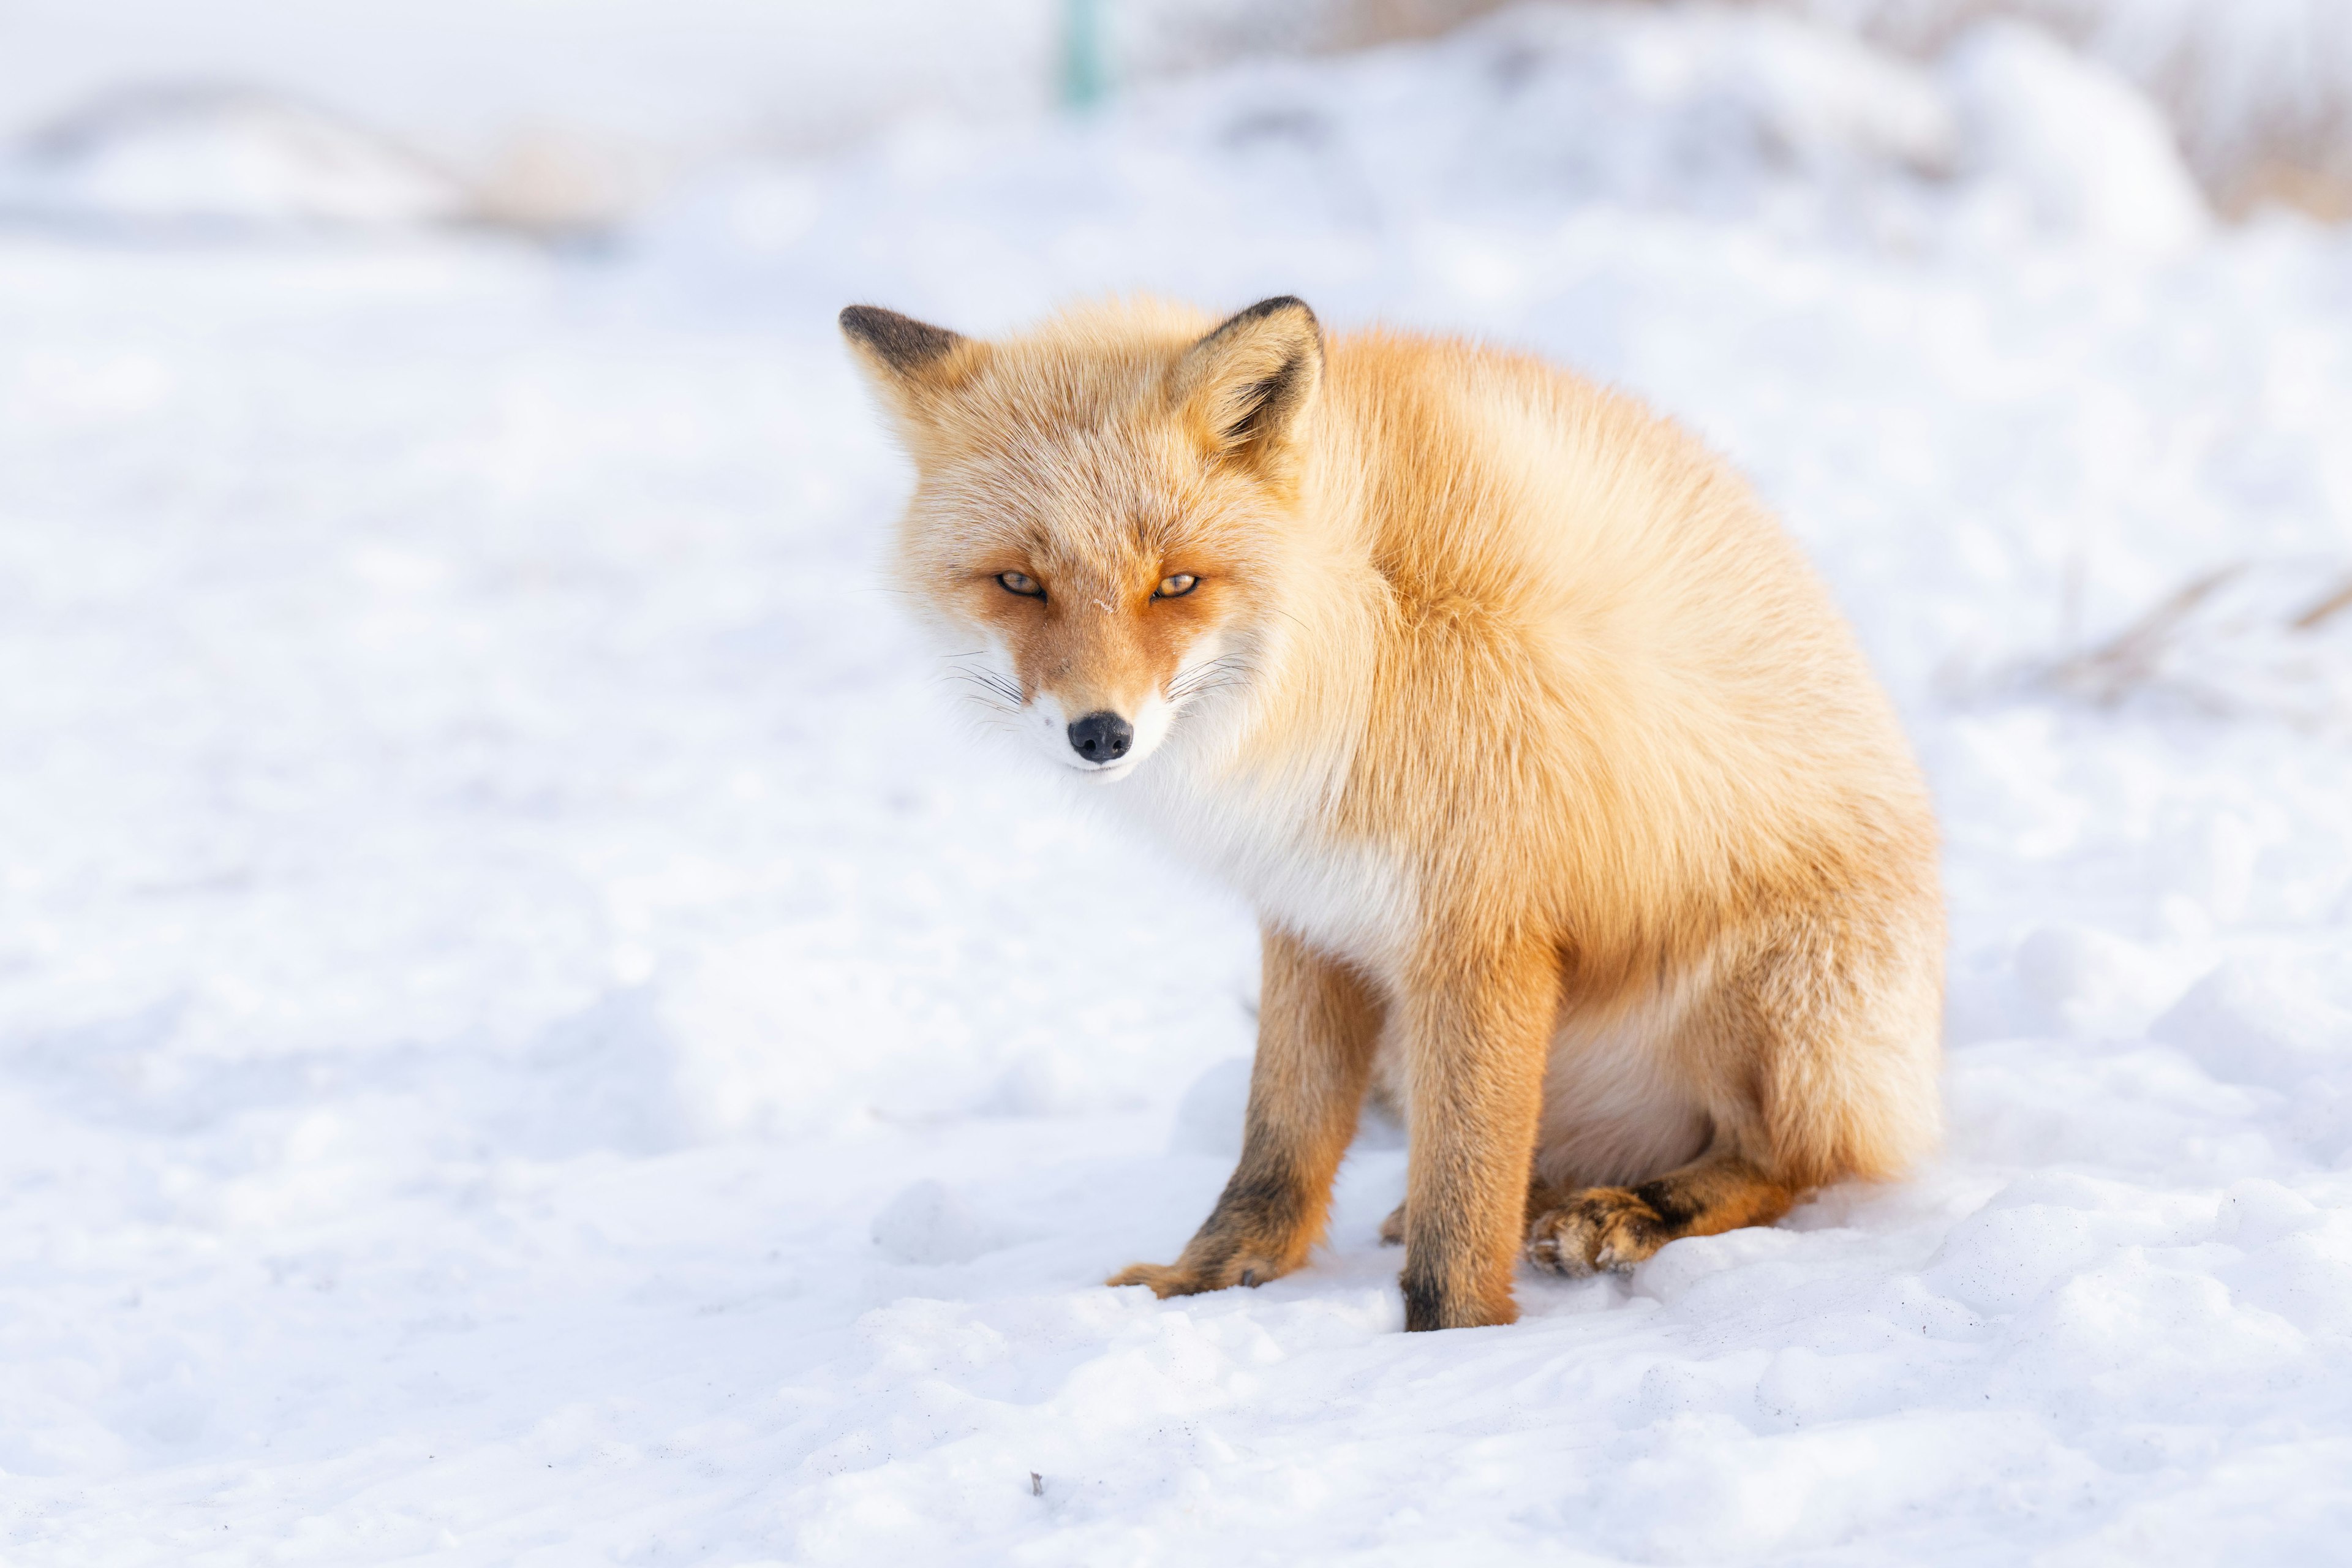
point(1575, 822)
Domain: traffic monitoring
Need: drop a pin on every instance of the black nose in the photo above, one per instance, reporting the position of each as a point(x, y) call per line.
point(1101, 737)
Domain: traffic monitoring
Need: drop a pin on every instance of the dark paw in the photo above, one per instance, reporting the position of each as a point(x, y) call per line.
point(1599, 1228)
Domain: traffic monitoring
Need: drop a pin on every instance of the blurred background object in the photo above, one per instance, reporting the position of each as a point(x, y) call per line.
point(2260, 91)
point(563, 117)
point(550, 114)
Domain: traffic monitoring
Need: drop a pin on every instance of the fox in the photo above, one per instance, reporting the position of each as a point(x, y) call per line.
point(1577, 827)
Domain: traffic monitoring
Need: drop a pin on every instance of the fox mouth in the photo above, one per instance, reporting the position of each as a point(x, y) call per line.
point(1104, 772)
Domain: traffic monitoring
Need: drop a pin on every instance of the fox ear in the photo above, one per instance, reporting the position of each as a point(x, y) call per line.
point(913, 363)
point(1245, 385)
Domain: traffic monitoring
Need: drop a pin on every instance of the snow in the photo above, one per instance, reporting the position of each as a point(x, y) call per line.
point(195, 158)
point(660, 79)
point(528, 1034)
point(2091, 150)
point(2257, 90)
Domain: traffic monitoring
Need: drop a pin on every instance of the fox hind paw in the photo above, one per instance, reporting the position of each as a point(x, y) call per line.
point(1600, 1229)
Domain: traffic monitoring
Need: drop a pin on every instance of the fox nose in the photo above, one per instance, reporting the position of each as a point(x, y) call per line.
point(1101, 737)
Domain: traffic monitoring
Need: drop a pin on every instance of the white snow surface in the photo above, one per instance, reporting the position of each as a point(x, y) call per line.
point(466, 79)
point(529, 1035)
point(196, 159)
point(2249, 84)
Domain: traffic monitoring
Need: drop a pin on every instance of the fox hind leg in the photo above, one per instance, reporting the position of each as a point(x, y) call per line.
point(1586, 1230)
point(1816, 1063)
point(1591, 1229)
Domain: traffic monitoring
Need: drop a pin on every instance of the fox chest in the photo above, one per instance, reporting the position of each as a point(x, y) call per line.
point(1353, 900)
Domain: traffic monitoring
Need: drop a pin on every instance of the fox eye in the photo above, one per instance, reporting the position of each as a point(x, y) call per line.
point(1176, 587)
point(1021, 583)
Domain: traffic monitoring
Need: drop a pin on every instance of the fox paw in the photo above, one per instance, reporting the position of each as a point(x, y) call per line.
point(1167, 1279)
point(1599, 1228)
point(1392, 1228)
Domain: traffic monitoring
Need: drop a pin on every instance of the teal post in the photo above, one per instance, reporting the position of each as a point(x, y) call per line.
point(1086, 70)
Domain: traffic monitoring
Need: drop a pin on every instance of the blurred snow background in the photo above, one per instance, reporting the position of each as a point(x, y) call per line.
point(555, 114)
point(527, 1035)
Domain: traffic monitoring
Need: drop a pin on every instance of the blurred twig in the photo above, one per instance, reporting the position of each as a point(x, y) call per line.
point(2132, 655)
point(2326, 609)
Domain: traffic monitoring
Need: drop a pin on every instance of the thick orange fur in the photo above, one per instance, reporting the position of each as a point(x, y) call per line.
point(1576, 823)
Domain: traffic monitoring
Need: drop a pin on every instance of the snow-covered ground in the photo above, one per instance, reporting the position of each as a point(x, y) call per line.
point(529, 1035)
point(464, 79)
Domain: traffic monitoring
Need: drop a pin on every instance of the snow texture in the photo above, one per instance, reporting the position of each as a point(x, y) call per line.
point(529, 1034)
point(467, 80)
point(194, 159)
point(2259, 91)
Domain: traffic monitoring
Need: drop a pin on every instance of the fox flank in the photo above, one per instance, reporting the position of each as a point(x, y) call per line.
point(1577, 826)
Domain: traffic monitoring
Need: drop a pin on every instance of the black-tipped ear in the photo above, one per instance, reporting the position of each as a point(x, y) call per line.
point(917, 368)
point(1245, 385)
point(897, 343)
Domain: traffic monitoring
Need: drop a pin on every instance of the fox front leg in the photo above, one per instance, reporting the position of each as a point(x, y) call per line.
point(1318, 1025)
point(1475, 1031)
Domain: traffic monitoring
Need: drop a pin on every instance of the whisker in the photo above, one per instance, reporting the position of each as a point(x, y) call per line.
point(1192, 672)
point(989, 692)
point(1205, 690)
point(986, 677)
point(1227, 669)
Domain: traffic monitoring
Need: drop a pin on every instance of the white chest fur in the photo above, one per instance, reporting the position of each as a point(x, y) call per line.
point(1269, 841)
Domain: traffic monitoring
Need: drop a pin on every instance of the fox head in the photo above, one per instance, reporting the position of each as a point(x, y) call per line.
point(1095, 530)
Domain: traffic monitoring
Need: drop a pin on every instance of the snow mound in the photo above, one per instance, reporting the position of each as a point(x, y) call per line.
point(1724, 110)
point(219, 160)
point(2259, 93)
point(929, 1224)
point(2243, 1027)
point(2092, 156)
point(2086, 981)
point(1242, 179)
point(1209, 1117)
